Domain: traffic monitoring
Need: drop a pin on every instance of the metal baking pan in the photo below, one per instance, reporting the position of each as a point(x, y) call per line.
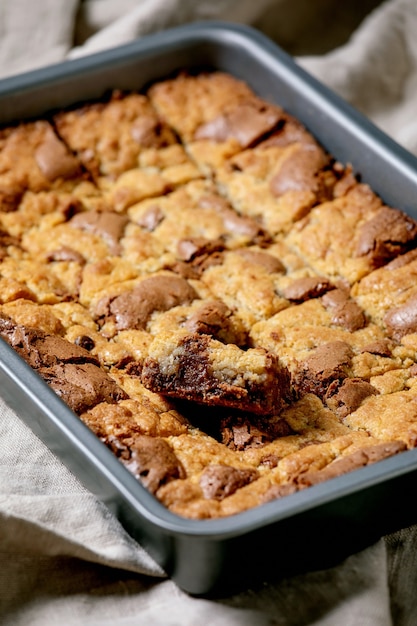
point(314, 528)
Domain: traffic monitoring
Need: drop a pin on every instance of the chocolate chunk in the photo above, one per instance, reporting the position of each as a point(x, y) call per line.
point(198, 265)
point(7, 329)
point(40, 349)
point(288, 132)
point(184, 369)
point(402, 320)
point(335, 298)
point(242, 436)
point(389, 233)
point(196, 255)
point(220, 481)
point(382, 347)
point(133, 309)
point(247, 122)
point(270, 460)
point(66, 254)
point(306, 288)
point(69, 207)
point(153, 461)
point(132, 368)
point(402, 259)
point(81, 385)
point(152, 217)
point(54, 159)
point(188, 249)
point(346, 181)
point(239, 432)
point(329, 357)
point(203, 262)
point(245, 226)
point(10, 198)
point(356, 460)
point(146, 131)
point(183, 269)
point(299, 172)
point(86, 342)
point(212, 318)
point(269, 262)
point(350, 395)
point(346, 312)
point(62, 350)
point(72, 372)
point(107, 224)
point(327, 363)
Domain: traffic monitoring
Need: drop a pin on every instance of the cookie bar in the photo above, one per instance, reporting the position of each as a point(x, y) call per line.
point(33, 157)
point(192, 217)
point(351, 236)
point(198, 368)
point(109, 137)
point(125, 146)
point(69, 369)
point(217, 103)
point(388, 295)
point(278, 184)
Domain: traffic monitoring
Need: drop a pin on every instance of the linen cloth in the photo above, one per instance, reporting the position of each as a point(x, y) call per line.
point(64, 558)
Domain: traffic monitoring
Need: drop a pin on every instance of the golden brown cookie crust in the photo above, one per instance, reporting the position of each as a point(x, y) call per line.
point(223, 303)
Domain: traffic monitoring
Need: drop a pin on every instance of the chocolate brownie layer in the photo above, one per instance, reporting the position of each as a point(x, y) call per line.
point(198, 368)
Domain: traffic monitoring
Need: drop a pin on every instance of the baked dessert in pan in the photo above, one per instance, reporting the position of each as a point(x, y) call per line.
point(227, 307)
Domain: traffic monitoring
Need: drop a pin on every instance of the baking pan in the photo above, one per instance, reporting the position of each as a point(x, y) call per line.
point(313, 528)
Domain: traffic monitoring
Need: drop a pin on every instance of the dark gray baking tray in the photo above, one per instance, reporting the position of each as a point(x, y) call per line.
point(309, 529)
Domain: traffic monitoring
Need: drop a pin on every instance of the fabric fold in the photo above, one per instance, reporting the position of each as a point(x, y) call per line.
point(376, 70)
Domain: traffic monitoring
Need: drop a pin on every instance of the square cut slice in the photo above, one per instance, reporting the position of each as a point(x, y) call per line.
point(224, 116)
point(158, 171)
point(109, 137)
point(352, 235)
point(201, 369)
point(248, 280)
point(278, 184)
point(192, 217)
point(388, 295)
point(206, 97)
point(34, 158)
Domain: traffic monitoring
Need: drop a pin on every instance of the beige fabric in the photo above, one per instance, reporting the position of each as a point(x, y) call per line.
point(377, 70)
point(33, 34)
point(64, 557)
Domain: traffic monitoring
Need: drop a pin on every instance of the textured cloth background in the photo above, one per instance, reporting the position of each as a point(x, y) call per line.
point(64, 558)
